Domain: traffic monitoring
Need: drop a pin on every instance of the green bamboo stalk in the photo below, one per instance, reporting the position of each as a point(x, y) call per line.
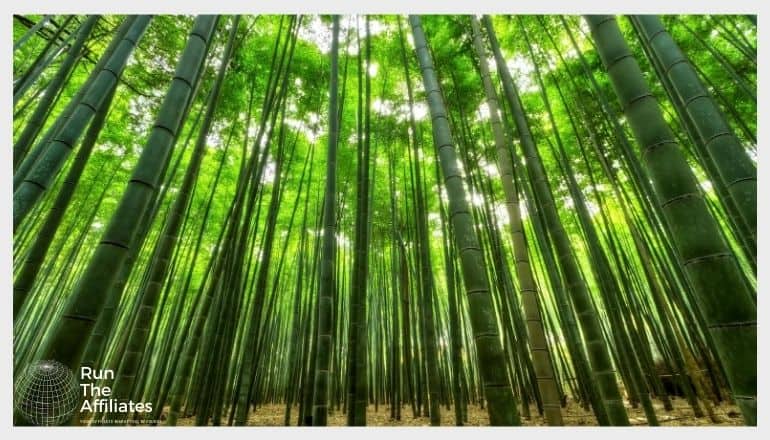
point(67, 341)
point(48, 165)
point(158, 268)
point(722, 147)
point(730, 315)
point(37, 253)
point(326, 285)
point(36, 120)
point(501, 403)
point(541, 359)
point(29, 160)
point(598, 354)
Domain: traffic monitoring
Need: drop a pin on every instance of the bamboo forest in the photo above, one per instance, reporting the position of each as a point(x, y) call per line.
point(384, 220)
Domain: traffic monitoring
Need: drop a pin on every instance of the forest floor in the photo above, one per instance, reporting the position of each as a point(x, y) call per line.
point(574, 415)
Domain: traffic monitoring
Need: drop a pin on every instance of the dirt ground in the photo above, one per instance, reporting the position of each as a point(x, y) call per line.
point(574, 415)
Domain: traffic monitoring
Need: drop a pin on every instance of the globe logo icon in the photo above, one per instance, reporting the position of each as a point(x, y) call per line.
point(46, 394)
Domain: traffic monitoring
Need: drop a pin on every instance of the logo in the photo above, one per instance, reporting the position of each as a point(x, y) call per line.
point(46, 393)
point(98, 398)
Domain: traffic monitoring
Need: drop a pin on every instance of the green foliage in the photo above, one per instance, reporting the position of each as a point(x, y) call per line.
point(722, 49)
